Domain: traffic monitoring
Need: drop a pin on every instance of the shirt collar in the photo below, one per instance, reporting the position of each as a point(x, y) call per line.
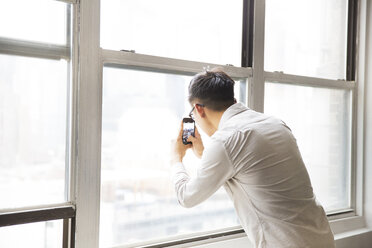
point(230, 112)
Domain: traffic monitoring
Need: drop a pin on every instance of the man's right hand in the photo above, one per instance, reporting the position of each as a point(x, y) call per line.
point(197, 144)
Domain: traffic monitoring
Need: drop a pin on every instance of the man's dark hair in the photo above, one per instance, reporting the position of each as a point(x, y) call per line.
point(215, 89)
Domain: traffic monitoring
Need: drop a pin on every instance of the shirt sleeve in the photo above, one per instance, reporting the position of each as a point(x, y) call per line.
point(214, 171)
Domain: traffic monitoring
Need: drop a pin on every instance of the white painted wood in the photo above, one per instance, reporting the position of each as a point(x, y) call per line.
point(89, 116)
point(357, 197)
point(257, 89)
point(347, 224)
point(74, 89)
point(30, 208)
point(280, 77)
point(360, 238)
point(68, 1)
point(33, 49)
point(156, 63)
point(232, 242)
point(188, 236)
point(367, 172)
point(340, 214)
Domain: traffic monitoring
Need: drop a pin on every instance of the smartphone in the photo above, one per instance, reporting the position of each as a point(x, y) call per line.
point(188, 129)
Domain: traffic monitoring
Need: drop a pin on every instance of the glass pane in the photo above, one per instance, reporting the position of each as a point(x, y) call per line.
point(35, 235)
point(321, 122)
point(141, 114)
point(32, 130)
point(208, 30)
point(37, 20)
point(306, 37)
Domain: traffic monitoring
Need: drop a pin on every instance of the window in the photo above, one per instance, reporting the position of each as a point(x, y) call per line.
point(207, 31)
point(143, 89)
point(37, 20)
point(144, 99)
point(77, 115)
point(321, 122)
point(42, 234)
point(304, 90)
point(306, 37)
point(33, 93)
point(141, 114)
point(35, 48)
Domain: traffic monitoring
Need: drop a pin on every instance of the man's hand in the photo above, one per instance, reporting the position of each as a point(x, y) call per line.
point(178, 149)
point(197, 144)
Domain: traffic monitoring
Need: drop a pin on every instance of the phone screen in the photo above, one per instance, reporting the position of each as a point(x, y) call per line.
point(188, 129)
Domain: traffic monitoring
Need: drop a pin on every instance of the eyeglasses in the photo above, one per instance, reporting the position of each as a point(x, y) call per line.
point(191, 114)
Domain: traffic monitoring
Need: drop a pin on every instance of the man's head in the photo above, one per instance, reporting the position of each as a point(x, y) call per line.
point(214, 89)
point(211, 93)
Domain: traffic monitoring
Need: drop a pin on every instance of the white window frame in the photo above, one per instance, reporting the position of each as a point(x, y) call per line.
point(348, 219)
point(89, 60)
point(66, 209)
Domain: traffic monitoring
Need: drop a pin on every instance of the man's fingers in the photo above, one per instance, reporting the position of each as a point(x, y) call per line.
point(191, 138)
point(181, 131)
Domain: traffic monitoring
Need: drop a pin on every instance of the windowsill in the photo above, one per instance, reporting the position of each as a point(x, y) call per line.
point(343, 229)
point(347, 224)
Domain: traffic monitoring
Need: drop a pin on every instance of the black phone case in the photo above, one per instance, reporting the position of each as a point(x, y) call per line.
point(184, 141)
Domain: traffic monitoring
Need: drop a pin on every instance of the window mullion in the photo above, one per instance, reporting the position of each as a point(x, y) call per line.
point(68, 1)
point(280, 77)
point(33, 49)
point(155, 63)
point(257, 87)
point(89, 122)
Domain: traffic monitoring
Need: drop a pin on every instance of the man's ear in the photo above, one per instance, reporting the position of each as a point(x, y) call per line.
point(200, 110)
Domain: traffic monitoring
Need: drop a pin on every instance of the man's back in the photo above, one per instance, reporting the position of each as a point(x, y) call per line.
point(256, 159)
point(269, 183)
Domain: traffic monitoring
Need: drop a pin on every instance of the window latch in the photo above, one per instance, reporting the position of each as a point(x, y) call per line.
point(128, 51)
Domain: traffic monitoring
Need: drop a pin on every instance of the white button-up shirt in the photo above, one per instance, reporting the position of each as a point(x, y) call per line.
point(256, 158)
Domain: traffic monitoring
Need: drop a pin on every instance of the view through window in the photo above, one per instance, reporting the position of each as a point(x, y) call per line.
point(32, 130)
point(306, 37)
point(309, 38)
point(321, 122)
point(142, 112)
point(206, 31)
point(36, 235)
point(33, 116)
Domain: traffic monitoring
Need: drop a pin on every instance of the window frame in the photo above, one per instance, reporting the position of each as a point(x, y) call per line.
point(46, 212)
point(350, 83)
point(89, 150)
point(88, 60)
point(85, 119)
point(65, 211)
point(351, 218)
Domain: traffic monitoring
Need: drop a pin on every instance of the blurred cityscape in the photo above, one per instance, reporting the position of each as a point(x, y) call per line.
point(137, 195)
point(33, 104)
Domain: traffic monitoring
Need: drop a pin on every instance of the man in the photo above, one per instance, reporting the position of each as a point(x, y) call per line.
point(256, 158)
